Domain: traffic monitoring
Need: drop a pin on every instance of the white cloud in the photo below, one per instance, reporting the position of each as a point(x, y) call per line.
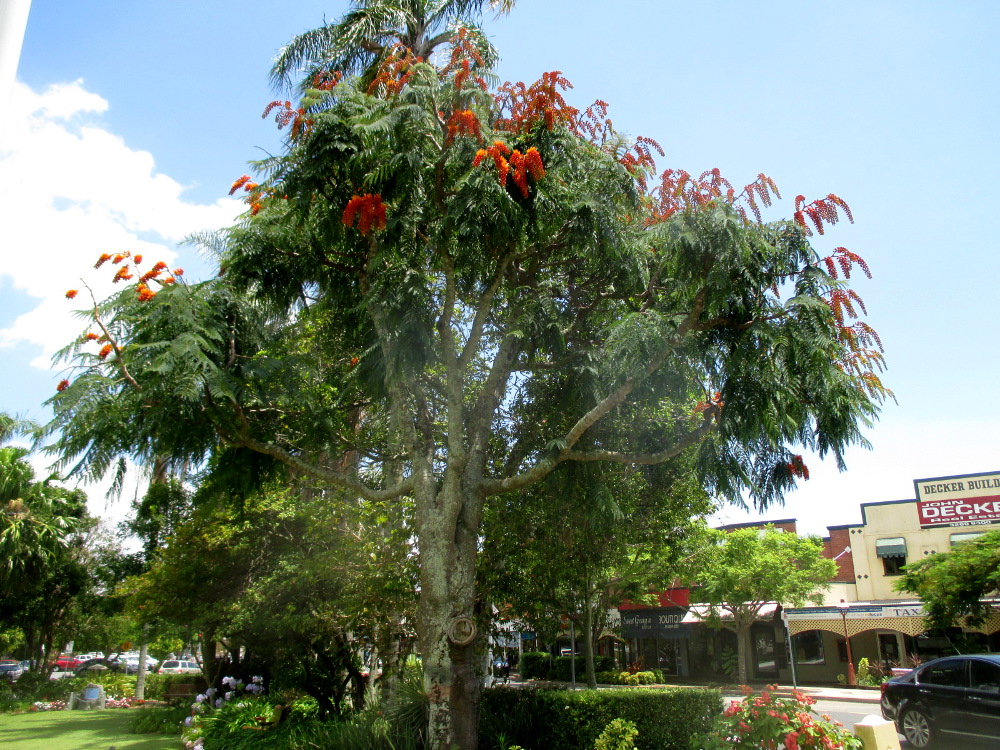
point(69, 191)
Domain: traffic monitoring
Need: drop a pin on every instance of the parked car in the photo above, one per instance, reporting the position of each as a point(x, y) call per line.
point(175, 666)
point(89, 666)
point(67, 662)
point(954, 700)
point(10, 669)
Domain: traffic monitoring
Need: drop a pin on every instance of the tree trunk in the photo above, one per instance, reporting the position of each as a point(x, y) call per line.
point(140, 679)
point(588, 636)
point(446, 617)
point(743, 652)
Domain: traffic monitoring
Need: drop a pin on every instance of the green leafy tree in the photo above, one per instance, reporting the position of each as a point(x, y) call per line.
point(738, 572)
point(41, 549)
point(417, 278)
point(584, 539)
point(295, 583)
point(953, 584)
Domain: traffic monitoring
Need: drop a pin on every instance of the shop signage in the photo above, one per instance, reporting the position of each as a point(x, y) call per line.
point(966, 500)
point(655, 623)
point(863, 612)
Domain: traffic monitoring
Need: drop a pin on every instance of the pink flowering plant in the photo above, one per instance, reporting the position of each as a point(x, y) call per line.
point(772, 722)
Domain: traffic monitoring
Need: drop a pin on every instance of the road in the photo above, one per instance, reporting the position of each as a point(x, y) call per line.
point(850, 713)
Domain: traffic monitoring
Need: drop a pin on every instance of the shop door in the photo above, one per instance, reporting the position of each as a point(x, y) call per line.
point(764, 652)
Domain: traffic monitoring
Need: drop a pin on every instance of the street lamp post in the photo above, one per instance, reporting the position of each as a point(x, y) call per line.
point(852, 678)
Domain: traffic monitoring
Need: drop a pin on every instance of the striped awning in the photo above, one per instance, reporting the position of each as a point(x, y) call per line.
point(894, 547)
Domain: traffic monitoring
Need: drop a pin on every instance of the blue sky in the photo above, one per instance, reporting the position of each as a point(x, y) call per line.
point(129, 122)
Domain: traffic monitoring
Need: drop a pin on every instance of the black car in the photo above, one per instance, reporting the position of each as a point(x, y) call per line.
point(947, 701)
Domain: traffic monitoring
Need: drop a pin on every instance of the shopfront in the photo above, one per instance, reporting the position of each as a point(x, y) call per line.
point(657, 638)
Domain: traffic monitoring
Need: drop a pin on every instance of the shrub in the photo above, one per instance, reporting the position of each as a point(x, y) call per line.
point(638, 678)
point(618, 735)
point(766, 721)
point(568, 720)
point(561, 667)
point(158, 719)
point(534, 665)
point(611, 677)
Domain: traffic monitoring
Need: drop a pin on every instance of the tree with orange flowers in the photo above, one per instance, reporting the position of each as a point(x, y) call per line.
point(443, 292)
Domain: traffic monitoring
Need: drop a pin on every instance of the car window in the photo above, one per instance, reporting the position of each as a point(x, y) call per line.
point(950, 673)
point(984, 676)
point(170, 665)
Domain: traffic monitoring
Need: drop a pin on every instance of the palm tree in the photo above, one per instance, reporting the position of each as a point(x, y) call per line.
point(367, 33)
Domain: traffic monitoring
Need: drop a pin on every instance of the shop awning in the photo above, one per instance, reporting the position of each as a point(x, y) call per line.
point(894, 547)
point(700, 612)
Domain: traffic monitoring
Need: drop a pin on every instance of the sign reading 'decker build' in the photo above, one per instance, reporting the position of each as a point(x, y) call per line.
point(968, 500)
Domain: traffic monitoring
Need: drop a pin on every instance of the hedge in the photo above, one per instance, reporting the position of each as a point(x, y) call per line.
point(570, 720)
point(542, 666)
point(534, 665)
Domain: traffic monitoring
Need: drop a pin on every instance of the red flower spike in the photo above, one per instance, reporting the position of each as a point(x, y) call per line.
point(91, 336)
point(105, 351)
point(178, 272)
point(368, 210)
point(63, 385)
point(71, 293)
point(137, 259)
point(102, 260)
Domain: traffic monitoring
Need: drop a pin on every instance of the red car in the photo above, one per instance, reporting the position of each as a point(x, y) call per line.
point(67, 663)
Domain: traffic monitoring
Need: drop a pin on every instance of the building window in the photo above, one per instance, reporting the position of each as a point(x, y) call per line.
point(893, 566)
point(809, 647)
point(965, 537)
point(893, 554)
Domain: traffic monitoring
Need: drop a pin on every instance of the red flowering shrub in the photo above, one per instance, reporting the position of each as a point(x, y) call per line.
point(767, 721)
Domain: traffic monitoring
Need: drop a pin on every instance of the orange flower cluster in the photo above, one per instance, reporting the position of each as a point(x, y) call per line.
point(105, 351)
point(326, 79)
point(301, 124)
point(71, 293)
point(844, 259)
point(530, 162)
point(798, 468)
point(91, 336)
point(464, 58)
point(679, 191)
point(498, 152)
point(368, 210)
point(394, 72)
point(523, 107)
point(464, 122)
point(820, 211)
point(63, 385)
point(716, 402)
point(523, 164)
point(124, 272)
point(842, 301)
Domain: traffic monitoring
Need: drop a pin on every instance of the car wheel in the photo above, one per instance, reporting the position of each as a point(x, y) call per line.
point(916, 728)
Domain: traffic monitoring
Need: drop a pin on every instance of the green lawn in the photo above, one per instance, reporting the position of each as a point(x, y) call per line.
point(78, 730)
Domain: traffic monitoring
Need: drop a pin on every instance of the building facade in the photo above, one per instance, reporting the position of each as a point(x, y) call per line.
point(862, 612)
